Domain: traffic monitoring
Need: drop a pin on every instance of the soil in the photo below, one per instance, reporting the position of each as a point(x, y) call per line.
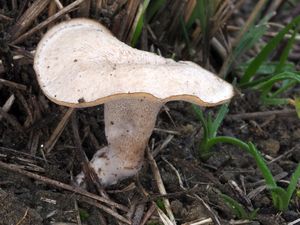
point(25, 132)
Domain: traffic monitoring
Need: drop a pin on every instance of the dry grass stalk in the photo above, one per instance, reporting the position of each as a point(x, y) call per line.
point(52, 9)
point(123, 22)
point(148, 214)
point(61, 185)
point(58, 131)
point(177, 10)
point(4, 17)
point(54, 5)
point(190, 6)
point(7, 105)
point(97, 5)
point(105, 209)
point(160, 185)
point(84, 8)
point(27, 18)
point(11, 120)
point(213, 214)
point(200, 222)
point(23, 217)
point(27, 108)
point(49, 20)
point(13, 84)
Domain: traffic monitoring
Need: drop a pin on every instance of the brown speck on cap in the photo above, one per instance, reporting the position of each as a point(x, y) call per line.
point(81, 100)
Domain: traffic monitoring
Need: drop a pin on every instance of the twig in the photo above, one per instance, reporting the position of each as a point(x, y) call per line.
point(63, 186)
point(58, 131)
point(163, 145)
point(295, 222)
point(60, 7)
point(164, 218)
point(50, 19)
point(216, 219)
point(254, 115)
point(76, 204)
point(92, 179)
point(28, 17)
point(166, 131)
point(148, 214)
point(13, 84)
point(160, 185)
point(297, 147)
point(23, 218)
point(107, 210)
point(200, 222)
point(12, 120)
point(4, 17)
point(176, 172)
point(138, 214)
point(7, 105)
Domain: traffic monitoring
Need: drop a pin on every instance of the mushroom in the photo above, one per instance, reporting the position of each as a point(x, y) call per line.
point(79, 63)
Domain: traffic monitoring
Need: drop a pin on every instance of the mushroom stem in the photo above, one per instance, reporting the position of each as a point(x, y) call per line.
point(128, 126)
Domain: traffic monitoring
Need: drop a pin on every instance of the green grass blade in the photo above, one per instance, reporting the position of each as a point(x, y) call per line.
point(293, 183)
point(274, 101)
point(281, 202)
point(185, 34)
point(219, 119)
point(284, 56)
point(263, 55)
point(270, 181)
point(267, 85)
point(200, 117)
point(250, 38)
point(297, 106)
point(247, 41)
point(285, 86)
point(209, 125)
point(253, 214)
point(229, 140)
point(237, 208)
point(268, 68)
point(139, 23)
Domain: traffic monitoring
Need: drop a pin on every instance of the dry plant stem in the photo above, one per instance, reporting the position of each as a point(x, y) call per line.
point(84, 8)
point(200, 222)
point(67, 187)
point(53, 9)
point(58, 130)
point(7, 105)
point(28, 17)
point(23, 217)
point(160, 185)
point(258, 115)
point(107, 210)
point(216, 219)
point(4, 17)
point(275, 4)
point(13, 84)
point(128, 126)
point(47, 21)
point(92, 179)
point(148, 214)
point(12, 120)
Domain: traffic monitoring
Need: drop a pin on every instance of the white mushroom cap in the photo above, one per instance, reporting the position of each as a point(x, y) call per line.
point(79, 63)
